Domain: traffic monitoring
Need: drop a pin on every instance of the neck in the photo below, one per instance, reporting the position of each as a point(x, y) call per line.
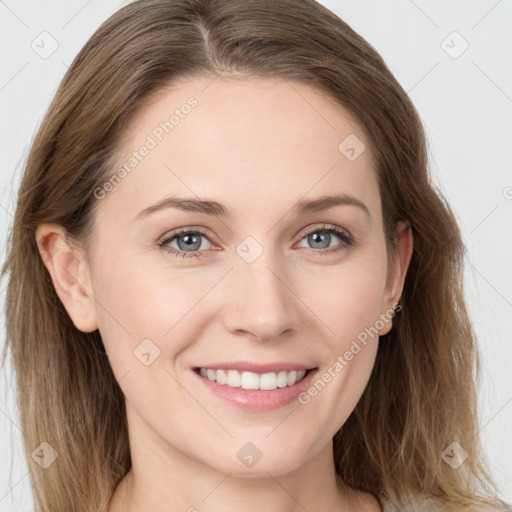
point(163, 478)
point(180, 483)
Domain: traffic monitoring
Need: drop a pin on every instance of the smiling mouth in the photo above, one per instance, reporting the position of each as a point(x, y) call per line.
point(250, 380)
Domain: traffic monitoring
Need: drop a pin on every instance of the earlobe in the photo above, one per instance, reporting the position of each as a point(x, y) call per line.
point(397, 270)
point(70, 274)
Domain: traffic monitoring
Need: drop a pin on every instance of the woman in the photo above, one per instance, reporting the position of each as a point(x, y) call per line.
point(231, 283)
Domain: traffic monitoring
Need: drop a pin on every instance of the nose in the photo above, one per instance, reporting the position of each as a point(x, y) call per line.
point(262, 303)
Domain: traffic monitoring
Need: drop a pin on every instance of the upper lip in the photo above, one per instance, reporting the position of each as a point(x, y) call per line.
point(246, 366)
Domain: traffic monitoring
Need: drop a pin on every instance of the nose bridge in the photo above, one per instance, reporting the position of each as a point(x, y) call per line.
point(261, 301)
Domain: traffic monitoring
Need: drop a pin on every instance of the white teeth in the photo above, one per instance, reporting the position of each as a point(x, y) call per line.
point(282, 379)
point(221, 377)
point(250, 380)
point(234, 380)
point(268, 381)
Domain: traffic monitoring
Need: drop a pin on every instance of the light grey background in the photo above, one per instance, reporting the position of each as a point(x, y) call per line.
point(464, 99)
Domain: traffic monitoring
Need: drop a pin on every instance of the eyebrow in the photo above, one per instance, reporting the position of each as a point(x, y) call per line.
point(219, 210)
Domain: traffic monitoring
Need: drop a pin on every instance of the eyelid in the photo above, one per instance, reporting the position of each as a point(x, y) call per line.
point(206, 232)
point(346, 239)
point(188, 229)
point(323, 226)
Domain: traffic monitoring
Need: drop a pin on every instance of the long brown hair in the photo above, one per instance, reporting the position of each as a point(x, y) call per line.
point(421, 396)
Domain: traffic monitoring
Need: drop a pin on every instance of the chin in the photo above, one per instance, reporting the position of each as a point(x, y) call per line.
point(250, 462)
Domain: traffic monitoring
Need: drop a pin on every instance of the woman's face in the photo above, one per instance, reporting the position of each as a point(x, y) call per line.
point(257, 284)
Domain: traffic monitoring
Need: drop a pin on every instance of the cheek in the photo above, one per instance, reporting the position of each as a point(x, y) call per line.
point(147, 316)
point(350, 300)
point(353, 308)
point(350, 309)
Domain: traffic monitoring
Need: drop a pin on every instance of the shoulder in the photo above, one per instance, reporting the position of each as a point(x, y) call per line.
point(415, 504)
point(423, 504)
point(367, 502)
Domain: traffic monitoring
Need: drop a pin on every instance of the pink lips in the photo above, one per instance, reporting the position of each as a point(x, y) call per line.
point(258, 400)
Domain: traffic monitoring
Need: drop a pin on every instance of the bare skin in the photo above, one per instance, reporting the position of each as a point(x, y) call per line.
point(258, 147)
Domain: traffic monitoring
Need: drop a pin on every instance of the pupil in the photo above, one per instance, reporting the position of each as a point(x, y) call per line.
point(318, 238)
point(189, 241)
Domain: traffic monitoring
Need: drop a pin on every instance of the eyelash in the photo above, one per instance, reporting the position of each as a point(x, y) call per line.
point(346, 241)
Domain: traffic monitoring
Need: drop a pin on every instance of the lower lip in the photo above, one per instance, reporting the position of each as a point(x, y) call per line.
point(259, 400)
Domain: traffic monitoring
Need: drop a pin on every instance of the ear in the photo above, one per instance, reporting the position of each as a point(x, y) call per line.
point(397, 270)
point(70, 273)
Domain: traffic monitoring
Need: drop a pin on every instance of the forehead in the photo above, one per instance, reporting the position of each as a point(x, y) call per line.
point(257, 141)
